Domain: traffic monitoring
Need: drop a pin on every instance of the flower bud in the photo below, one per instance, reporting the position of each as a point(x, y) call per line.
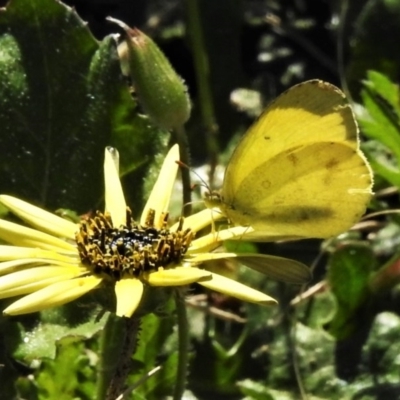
point(160, 91)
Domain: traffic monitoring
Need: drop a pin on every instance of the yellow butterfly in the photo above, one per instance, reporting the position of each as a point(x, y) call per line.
point(298, 172)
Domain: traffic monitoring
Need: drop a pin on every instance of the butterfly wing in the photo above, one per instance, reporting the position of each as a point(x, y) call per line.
point(298, 172)
point(277, 268)
point(319, 190)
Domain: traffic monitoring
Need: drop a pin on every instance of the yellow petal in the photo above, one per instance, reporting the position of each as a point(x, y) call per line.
point(177, 276)
point(199, 220)
point(213, 240)
point(40, 218)
point(233, 288)
point(21, 236)
point(54, 295)
point(129, 293)
point(16, 252)
point(201, 257)
point(115, 200)
point(162, 190)
point(30, 280)
point(7, 267)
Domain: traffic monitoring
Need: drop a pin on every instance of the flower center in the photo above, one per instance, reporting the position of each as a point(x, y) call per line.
point(130, 249)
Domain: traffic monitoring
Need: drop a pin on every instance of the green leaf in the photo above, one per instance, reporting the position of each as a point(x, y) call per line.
point(381, 161)
point(46, 104)
point(350, 268)
point(381, 99)
point(70, 375)
point(42, 339)
point(384, 87)
point(153, 337)
point(62, 100)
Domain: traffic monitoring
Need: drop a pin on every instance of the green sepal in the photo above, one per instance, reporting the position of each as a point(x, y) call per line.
point(160, 90)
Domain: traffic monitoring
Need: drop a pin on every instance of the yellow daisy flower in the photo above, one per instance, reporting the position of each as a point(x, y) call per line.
point(57, 261)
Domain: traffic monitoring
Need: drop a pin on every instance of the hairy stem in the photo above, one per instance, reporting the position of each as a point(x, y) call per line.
point(129, 343)
point(183, 343)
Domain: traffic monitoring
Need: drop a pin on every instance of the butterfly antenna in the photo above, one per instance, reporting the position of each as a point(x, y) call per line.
point(203, 182)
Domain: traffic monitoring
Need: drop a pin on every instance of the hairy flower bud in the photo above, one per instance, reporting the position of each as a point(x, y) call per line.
point(161, 92)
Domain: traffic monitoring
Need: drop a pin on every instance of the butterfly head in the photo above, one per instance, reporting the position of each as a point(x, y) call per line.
point(213, 199)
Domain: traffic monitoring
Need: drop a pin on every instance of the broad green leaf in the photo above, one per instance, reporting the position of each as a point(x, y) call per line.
point(34, 336)
point(42, 339)
point(47, 108)
point(62, 100)
point(70, 375)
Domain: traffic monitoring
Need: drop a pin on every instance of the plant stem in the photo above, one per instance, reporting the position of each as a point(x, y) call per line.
point(201, 62)
point(110, 346)
point(128, 347)
point(184, 156)
point(183, 346)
